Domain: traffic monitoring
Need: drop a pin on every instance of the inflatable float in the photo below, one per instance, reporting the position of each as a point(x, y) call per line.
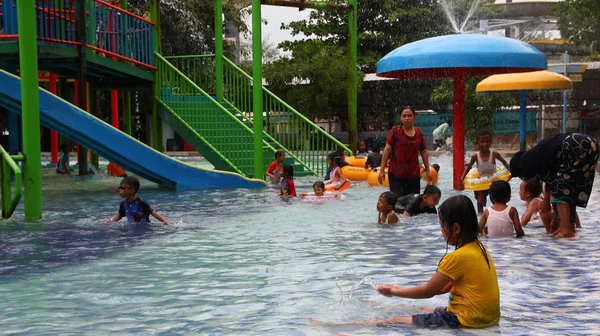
point(473, 182)
point(355, 173)
point(372, 177)
point(356, 161)
point(327, 197)
point(341, 186)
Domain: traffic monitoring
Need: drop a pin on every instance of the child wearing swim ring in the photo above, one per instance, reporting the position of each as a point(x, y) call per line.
point(318, 190)
point(486, 164)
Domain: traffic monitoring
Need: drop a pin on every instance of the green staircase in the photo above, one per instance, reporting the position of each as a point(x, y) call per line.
point(305, 143)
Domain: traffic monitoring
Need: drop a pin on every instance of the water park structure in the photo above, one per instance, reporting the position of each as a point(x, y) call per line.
point(207, 99)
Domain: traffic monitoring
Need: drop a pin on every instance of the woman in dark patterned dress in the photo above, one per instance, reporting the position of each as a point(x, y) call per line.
point(567, 164)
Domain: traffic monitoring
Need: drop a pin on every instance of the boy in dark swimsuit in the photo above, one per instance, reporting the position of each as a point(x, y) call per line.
point(134, 208)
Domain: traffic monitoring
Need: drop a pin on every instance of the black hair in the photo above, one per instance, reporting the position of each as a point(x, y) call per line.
point(132, 181)
point(449, 122)
point(406, 107)
point(279, 153)
point(436, 167)
point(534, 187)
point(500, 191)
point(515, 164)
point(335, 157)
point(481, 133)
point(319, 184)
point(432, 190)
point(288, 171)
point(341, 151)
point(460, 210)
point(358, 145)
point(390, 198)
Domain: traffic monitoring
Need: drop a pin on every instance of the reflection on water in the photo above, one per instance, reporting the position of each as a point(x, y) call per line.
point(243, 262)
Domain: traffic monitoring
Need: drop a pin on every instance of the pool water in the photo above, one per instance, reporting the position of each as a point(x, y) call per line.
point(244, 262)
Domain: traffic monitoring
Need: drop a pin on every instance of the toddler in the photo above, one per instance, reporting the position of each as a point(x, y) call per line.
point(385, 205)
point(501, 220)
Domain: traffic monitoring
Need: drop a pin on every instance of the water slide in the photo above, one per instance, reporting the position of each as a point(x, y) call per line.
point(116, 146)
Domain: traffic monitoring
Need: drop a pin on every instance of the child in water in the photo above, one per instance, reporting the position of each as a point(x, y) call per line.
point(486, 164)
point(501, 220)
point(530, 192)
point(63, 166)
point(412, 205)
point(319, 191)
point(287, 187)
point(274, 171)
point(336, 177)
point(468, 273)
point(134, 208)
point(385, 207)
point(362, 150)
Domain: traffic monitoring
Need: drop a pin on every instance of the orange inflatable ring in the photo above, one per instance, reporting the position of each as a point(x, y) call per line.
point(356, 161)
point(355, 173)
point(372, 177)
point(341, 187)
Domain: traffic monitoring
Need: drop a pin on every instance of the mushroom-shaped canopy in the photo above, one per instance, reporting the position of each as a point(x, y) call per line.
point(536, 80)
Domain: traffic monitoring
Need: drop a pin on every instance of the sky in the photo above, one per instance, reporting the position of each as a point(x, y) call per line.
point(275, 15)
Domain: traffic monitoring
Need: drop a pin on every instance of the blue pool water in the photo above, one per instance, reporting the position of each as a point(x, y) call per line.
point(243, 262)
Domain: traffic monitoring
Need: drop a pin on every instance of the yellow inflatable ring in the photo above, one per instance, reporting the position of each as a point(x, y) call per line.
point(473, 182)
point(432, 172)
point(356, 161)
point(355, 173)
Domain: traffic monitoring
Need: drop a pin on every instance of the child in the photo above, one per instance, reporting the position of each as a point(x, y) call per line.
point(412, 205)
point(362, 150)
point(501, 220)
point(274, 170)
point(530, 191)
point(287, 187)
point(63, 166)
point(385, 205)
point(318, 190)
point(436, 167)
point(374, 158)
point(486, 164)
point(134, 208)
point(468, 273)
point(340, 153)
point(336, 176)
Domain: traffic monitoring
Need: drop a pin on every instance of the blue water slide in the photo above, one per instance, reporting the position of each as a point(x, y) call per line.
point(116, 146)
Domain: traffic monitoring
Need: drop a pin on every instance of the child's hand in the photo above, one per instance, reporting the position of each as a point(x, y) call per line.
point(167, 223)
point(387, 290)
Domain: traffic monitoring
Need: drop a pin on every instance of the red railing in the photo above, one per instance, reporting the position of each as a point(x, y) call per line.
point(111, 31)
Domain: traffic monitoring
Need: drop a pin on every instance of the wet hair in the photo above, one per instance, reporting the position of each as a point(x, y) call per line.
point(432, 190)
point(288, 171)
point(500, 191)
point(481, 133)
point(335, 157)
point(533, 187)
point(319, 184)
point(278, 154)
point(436, 167)
point(390, 198)
point(133, 182)
point(460, 210)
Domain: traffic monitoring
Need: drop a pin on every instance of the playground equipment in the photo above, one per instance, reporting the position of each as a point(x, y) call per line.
point(459, 56)
point(537, 80)
point(103, 46)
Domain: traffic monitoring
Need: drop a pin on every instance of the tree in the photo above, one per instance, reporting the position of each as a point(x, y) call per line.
point(320, 60)
point(579, 22)
point(479, 107)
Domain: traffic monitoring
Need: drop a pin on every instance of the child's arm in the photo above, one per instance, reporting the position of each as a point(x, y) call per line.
point(499, 157)
point(514, 214)
point(392, 217)
point(114, 218)
point(473, 160)
point(425, 156)
point(159, 217)
point(532, 208)
point(292, 188)
point(483, 220)
point(436, 285)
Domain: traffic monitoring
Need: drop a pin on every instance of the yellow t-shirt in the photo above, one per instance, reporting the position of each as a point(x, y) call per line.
point(475, 297)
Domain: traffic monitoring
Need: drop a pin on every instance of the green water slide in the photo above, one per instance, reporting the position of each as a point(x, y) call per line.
point(305, 143)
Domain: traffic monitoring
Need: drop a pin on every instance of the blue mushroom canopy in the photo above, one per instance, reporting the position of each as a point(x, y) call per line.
point(476, 54)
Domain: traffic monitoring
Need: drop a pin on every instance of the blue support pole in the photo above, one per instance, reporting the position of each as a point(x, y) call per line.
point(523, 121)
point(13, 133)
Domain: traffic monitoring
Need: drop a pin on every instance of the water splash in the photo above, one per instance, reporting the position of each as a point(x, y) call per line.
point(366, 280)
point(450, 12)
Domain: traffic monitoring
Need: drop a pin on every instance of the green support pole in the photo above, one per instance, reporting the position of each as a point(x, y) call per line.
point(157, 139)
point(352, 75)
point(257, 101)
point(30, 106)
point(123, 4)
point(219, 49)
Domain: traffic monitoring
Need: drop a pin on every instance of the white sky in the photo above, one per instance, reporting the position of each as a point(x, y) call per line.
point(275, 15)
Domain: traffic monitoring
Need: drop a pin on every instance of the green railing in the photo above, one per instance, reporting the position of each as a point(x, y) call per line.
point(8, 167)
point(227, 136)
point(302, 139)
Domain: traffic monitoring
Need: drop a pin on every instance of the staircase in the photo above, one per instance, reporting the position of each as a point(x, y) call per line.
point(306, 144)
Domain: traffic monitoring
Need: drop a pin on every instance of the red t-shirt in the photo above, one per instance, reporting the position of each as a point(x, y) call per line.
point(404, 159)
point(272, 167)
point(287, 188)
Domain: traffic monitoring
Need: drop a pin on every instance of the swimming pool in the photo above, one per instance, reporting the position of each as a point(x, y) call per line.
point(244, 262)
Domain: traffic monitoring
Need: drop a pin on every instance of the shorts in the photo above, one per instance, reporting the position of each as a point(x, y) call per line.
point(440, 317)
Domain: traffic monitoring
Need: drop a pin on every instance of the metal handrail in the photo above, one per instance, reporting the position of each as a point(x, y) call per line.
point(9, 166)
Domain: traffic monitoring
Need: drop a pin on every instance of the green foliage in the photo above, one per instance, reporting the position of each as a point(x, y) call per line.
point(579, 22)
point(479, 107)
